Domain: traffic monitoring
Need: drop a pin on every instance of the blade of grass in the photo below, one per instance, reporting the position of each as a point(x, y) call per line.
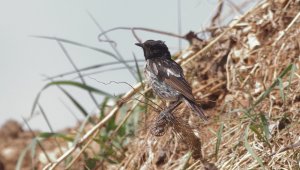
point(45, 117)
point(79, 85)
point(101, 71)
point(219, 139)
point(46, 135)
point(50, 127)
point(33, 152)
point(77, 44)
point(281, 89)
point(23, 154)
point(81, 130)
point(78, 72)
point(256, 130)
point(38, 142)
point(138, 69)
point(259, 133)
point(35, 102)
point(267, 92)
point(103, 106)
point(95, 129)
point(86, 46)
point(69, 110)
point(250, 150)
point(69, 83)
point(74, 101)
point(265, 126)
point(93, 67)
point(293, 69)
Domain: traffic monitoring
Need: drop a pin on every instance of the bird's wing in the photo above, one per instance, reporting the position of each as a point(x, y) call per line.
point(171, 73)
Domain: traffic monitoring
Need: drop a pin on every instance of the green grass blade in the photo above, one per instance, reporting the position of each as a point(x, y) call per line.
point(33, 150)
point(267, 92)
point(81, 129)
point(138, 69)
point(77, 71)
point(78, 44)
point(256, 130)
point(281, 89)
point(293, 69)
point(219, 139)
point(21, 157)
point(45, 117)
point(46, 135)
point(265, 128)
point(80, 85)
point(102, 108)
point(250, 150)
point(94, 67)
point(74, 101)
point(35, 102)
point(68, 83)
point(116, 57)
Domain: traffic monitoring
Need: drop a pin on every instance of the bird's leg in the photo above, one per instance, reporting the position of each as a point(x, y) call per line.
point(166, 113)
point(164, 119)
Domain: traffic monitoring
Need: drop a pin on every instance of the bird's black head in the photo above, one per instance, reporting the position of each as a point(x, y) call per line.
point(154, 49)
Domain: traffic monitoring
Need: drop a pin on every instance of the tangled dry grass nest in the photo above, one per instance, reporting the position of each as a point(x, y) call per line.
point(246, 76)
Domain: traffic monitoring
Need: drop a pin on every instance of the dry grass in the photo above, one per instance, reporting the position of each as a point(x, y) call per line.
point(240, 85)
point(247, 79)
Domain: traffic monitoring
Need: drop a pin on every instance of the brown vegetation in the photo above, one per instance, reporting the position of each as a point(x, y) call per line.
point(246, 76)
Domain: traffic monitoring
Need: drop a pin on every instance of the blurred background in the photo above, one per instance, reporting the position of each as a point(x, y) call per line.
point(26, 61)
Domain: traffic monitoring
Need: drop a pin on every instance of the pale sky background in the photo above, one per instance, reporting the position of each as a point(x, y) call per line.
point(25, 59)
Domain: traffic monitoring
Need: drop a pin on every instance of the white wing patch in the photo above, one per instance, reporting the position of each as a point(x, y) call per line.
point(170, 72)
point(155, 69)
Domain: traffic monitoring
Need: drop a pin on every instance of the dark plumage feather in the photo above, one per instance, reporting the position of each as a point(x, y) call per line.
point(171, 73)
point(196, 108)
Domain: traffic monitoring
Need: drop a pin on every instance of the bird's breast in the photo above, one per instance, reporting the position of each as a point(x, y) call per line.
point(159, 87)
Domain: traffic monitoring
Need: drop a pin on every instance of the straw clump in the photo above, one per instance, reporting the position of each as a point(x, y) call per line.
point(248, 83)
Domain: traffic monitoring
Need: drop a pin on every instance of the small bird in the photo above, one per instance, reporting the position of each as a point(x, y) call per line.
point(166, 77)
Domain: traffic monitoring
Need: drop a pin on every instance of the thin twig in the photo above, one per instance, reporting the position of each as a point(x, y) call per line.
point(218, 13)
point(235, 7)
point(295, 145)
point(141, 29)
point(121, 58)
point(122, 82)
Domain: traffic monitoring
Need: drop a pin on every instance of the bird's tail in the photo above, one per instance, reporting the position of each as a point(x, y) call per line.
point(196, 108)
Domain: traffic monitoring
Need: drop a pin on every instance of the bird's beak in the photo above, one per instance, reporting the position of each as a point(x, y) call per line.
point(140, 44)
